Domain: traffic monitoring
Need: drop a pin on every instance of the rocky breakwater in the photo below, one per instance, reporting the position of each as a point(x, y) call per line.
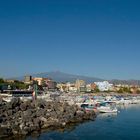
point(24, 118)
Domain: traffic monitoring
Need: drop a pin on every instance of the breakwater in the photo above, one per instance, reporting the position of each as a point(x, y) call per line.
point(107, 126)
point(24, 118)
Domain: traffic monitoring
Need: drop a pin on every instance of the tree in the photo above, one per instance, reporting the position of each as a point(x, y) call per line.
point(96, 89)
point(138, 91)
point(18, 85)
point(126, 90)
point(120, 90)
point(1, 80)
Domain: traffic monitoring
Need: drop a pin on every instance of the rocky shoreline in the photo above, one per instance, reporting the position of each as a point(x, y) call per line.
point(18, 118)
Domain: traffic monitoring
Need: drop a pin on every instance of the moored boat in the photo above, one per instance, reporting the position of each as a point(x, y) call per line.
point(91, 108)
point(107, 109)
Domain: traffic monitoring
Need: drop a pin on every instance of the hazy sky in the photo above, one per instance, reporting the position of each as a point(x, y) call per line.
point(99, 38)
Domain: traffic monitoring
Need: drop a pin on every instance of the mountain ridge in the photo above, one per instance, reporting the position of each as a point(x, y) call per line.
point(62, 77)
point(65, 77)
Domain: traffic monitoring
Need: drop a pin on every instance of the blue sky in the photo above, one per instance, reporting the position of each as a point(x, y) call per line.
point(99, 38)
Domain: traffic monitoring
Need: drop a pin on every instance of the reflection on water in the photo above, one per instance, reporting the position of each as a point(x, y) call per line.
point(128, 106)
point(107, 115)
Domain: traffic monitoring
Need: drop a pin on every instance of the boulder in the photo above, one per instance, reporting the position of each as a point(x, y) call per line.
point(36, 122)
point(41, 103)
point(40, 112)
point(15, 129)
point(10, 112)
point(1, 119)
point(23, 106)
point(43, 119)
point(32, 105)
point(15, 102)
point(24, 118)
point(80, 113)
point(4, 132)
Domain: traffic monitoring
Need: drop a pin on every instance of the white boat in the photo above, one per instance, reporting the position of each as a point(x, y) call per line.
point(127, 101)
point(124, 101)
point(90, 108)
point(135, 100)
point(107, 109)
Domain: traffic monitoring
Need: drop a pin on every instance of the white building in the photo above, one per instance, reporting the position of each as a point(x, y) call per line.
point(72, 89)
point(104, 86)
point(88, 87)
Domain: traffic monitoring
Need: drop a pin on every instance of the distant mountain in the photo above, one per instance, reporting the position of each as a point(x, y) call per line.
point(128, 82)
point(64, 77)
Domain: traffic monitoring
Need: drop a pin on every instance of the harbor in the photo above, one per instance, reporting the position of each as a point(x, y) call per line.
point(57, 110)
point(39, 105)
point(22, 118)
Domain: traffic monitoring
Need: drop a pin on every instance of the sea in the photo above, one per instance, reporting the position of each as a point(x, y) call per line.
point(124, 125)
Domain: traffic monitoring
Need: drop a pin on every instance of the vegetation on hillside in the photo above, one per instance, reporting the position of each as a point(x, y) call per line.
point(13, 85)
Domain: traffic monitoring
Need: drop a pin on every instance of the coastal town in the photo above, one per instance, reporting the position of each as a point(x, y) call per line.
point(78, 86)
point(36, 103)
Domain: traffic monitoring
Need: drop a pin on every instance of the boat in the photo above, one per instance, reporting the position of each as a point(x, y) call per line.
point(135, 100)
point(107, 109)
point(91, 108)
point(124, 101)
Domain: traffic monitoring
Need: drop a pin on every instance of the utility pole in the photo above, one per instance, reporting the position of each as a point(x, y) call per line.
point(35, 93)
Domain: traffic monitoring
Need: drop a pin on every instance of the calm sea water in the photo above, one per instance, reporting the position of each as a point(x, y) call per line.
point(122, 126)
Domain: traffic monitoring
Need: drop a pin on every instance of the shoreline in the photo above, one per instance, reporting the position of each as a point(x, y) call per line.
point(20, 118)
